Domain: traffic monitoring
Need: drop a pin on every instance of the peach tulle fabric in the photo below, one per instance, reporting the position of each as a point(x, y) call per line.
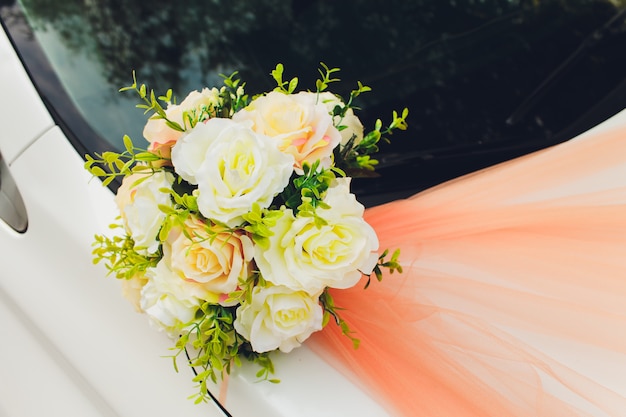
point(509, 274)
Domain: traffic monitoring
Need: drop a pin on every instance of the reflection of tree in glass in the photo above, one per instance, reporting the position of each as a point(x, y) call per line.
point(163, 41)
point(461, 66)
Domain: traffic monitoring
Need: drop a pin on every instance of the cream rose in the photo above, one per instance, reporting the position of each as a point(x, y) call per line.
point(278, 318)
point(169, 300)
point(217, 258)
point(298, 122)
point(138, 199)
point(233, 167)
point(353, 126)
point(199, 104)
point(131, 289)
point(302, 256)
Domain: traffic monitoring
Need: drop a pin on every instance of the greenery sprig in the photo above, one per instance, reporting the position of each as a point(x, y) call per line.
point(151, 102)
point(305, 192)
point(110, 165)
point(259, 223)
point(233, 95)
point(332, 311)
point(356, 157)
point(121, 256)
point(286, 87)
point(326, 73)
point(215, 348)
point(392, 265)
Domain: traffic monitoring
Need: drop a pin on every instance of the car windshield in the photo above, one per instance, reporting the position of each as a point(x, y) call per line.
point(483, 80)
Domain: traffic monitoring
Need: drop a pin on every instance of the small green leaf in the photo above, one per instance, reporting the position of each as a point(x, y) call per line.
point(128, 144)
point(277, 73)
point(292, 85)
point(97, 171)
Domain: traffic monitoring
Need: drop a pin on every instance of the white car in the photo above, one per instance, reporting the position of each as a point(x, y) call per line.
point(71, 345)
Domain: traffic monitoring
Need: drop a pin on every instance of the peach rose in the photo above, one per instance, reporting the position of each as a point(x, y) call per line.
point(199, 105)
point(298, 122)
point(214, 257)
point(131, 289)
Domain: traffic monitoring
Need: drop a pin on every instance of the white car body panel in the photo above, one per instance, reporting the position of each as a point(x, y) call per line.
point(74, 321)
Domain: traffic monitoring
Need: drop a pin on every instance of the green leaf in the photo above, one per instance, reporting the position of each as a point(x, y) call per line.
point(277, 74)
point(292, 85)
point(128, 144)
point(98, 172)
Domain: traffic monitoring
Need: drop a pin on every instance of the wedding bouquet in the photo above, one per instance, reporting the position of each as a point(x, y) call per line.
point(237, 218)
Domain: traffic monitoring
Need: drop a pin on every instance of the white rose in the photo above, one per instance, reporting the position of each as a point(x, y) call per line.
point(138, 199)
point(341, 200)
point(298, 122)
point(345, 207)
point(233, 167)
point(217, 258)
point(202, 102)
point(189, 153)
point(278, 318)
point(302, 256)
point(169, 300)
point(353, 125)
